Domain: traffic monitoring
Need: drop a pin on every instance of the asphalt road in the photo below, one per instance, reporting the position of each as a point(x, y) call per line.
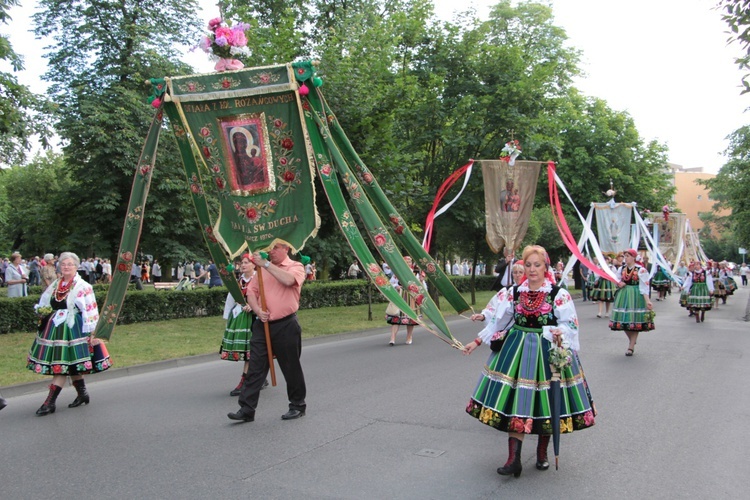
point(389, 422)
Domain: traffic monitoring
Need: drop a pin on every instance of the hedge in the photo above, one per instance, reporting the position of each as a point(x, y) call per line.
point(17, 314)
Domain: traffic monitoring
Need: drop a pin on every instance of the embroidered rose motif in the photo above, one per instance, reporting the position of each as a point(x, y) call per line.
point(394, 219)
point(516, 425)
point(413, 288)
point(399, 229)
point(367, 177)
point(251, 214)
point(145, 169)
point(588, 418)
point(206, 152)
point(226, 83)
point(272, 202)
point(287, 143)
point(191, 87)
point(430, 267)
point(122, 267)
point(56, 369)
point(288, 176)
point(195, 189)
point(374, 268)
point(220, 182)
point(325, 170)
point(205, 132)
point(380, 280)
point(127, 256)
point(380, 240)
point(419, 299)
point(283, 161)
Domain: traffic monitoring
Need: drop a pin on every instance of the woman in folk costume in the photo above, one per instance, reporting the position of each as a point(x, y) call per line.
point(685, 291)
point(660, 282)
point(720, 291)
point(604, 292)
point(65, 344)
point(632, 308)
point(699, 286)
point(401, 319)
point(235, 346)
point(512, 394)
point(725, 275)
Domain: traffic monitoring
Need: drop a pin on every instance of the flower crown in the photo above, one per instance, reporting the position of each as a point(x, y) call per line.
point(510, 151)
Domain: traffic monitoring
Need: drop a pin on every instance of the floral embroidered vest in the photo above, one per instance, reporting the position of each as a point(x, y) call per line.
point(630, 276)
point(534, 309)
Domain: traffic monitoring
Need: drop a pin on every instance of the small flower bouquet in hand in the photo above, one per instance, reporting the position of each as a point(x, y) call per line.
point(560, 356)
point(42, 311)
point(224, 43)
point(650, 315)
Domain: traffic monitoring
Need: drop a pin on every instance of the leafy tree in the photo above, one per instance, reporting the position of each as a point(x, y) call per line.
point(99, 57)
point(731, 187)
point(23, 114)
point(736, 13)
point(37, 199)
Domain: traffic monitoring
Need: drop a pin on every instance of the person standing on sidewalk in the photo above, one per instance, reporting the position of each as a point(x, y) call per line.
point(282, 280)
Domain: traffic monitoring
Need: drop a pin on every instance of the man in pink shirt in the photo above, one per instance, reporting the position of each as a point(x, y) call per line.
point(282, 283)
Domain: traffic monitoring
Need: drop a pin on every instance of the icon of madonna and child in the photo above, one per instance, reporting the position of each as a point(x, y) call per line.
point(510, 199)
point(248, 159)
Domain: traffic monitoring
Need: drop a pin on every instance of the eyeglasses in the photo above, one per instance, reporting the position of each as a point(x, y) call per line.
point(72, 264)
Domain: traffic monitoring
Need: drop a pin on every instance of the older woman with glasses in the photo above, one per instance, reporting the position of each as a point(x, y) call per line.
point(64, 345)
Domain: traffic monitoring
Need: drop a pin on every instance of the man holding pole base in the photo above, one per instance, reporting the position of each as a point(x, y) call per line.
point(274, 297)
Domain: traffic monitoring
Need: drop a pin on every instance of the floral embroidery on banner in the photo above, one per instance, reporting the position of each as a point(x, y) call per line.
point(191, 86)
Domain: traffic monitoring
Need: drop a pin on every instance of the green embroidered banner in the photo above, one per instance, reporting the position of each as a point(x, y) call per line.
point(131, 232)
point(247, 132)
point(398, 226)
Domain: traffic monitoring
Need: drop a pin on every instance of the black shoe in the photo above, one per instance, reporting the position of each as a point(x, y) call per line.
point(242, 416)
point(45, 409)
point(292, 414)
point(235, 392)
point(80, 400)
point(3, 403)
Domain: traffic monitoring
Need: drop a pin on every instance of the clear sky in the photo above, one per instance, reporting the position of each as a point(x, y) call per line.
point(665, 62)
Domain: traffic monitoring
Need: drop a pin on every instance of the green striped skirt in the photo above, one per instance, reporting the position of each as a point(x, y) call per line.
point(660, 281)
point(604, 291)
point(699, 297)
point(62, 350)
point(235, 346)
point(629, 311)
point(512, 394)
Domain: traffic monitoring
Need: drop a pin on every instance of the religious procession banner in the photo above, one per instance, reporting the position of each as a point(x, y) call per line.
point(509, 193)
point(669, 233)
point(332, 165)
point(247, 134)
point(613, 225)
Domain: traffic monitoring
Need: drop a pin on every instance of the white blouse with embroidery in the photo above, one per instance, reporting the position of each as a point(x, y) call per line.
point(500, 312)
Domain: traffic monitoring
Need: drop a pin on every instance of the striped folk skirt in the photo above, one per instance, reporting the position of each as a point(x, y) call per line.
point(513, 392)
point(629, 311)
point(235, 346)
point(604, 291)
point(699, 298)
point(64, 350)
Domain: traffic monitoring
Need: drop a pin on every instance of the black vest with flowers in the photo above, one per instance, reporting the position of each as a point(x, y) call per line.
point(534, 309)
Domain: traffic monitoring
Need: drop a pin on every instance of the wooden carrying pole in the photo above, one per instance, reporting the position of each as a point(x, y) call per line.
point(266, 328)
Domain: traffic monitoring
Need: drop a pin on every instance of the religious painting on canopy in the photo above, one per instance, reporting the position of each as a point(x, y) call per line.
point(248, 153)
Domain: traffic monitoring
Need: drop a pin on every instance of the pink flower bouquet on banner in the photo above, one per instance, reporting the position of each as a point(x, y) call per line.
point(224, 43)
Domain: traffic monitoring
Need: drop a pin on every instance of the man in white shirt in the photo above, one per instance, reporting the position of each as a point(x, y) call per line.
point(743, 273)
